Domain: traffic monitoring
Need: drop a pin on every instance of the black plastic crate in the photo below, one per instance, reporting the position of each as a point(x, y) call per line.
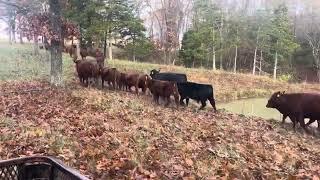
point(37, 168)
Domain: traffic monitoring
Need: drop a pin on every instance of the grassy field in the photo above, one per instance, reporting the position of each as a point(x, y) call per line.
point(118, 135)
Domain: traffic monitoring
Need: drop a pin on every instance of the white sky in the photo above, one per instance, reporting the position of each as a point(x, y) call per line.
point(3, 33)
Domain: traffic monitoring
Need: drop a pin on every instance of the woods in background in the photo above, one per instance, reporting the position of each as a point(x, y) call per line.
point(279, 39)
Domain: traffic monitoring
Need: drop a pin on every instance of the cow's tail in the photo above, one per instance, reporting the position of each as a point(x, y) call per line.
point(212, 100)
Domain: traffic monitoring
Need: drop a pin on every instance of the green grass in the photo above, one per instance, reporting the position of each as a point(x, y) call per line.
point(17, 62)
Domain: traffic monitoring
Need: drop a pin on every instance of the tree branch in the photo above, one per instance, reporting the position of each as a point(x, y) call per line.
point(20, 8)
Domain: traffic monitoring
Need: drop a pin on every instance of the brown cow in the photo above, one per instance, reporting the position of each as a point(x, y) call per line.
point(163, 89)
point(122, 83)
point(143, 82)
point(100, 58)
point(297, 106)
point(110, 75)
point(131, 80)
point(87, 69)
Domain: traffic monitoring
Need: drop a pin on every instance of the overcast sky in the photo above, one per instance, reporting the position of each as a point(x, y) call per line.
point(3, 33)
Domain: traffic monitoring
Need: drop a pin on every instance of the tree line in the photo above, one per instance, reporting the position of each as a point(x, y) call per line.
point(268, 39)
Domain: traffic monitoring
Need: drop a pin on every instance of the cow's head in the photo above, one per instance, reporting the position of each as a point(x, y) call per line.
point(153, 72)
point(147, 79)
point(275, 100)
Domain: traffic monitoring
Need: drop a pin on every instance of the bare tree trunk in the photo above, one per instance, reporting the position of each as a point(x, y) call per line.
point(275, 66)
point(14, 35)
point(260, 64)
point(10, 35)
point(214, 59)
point(235, 60)
point(255, 53)
point(105, 44)
point(35, 45)
point(21, 38)
point(221, 41)
point(110, 49)
point(318, 70)
point(254, 61)
point(213, 50)
point(56, 44)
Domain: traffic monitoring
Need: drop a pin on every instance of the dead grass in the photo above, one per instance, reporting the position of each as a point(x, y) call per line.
point(228, 86)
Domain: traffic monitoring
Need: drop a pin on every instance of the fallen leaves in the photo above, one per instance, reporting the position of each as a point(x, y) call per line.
point(116, 135)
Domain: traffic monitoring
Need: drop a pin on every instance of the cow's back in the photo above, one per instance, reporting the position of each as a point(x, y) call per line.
point(175, 77)
point(194, 90)
point(306, 103)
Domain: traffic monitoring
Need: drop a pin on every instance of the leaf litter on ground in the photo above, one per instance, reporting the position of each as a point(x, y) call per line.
point(119, 135)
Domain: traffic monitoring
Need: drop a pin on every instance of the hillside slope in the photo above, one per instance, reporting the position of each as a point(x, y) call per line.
point(228, 86)
point(117, 135)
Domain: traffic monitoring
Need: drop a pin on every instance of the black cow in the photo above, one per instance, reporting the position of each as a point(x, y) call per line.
point(174, 77)
point(199, 92)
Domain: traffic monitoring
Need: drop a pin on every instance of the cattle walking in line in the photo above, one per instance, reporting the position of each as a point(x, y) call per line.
point(163, 89)
point(297, 106)
point(168, 76)
point(199, 92)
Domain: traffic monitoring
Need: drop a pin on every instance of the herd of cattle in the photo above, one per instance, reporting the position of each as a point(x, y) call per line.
point(296, 106)
point(161, 85)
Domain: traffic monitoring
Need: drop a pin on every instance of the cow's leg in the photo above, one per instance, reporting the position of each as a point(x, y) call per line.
point(143, 89)
point(157, 99)
point(302, 124)
point(284, 118)
point(86, 82)
point(137, 89)
point(294, 120)
point(114, 85)
point(310, 121)
point(318, 125)
point(213, 103)
point(203, 104)
point(181, 100)
point(168, 101)
point(187, 101)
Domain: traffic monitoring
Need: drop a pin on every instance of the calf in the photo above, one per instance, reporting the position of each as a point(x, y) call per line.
point(163, 89)
point(87, 69)
point(174, 77)
point(198, 92)
point(110, 75)
point(297, 106)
